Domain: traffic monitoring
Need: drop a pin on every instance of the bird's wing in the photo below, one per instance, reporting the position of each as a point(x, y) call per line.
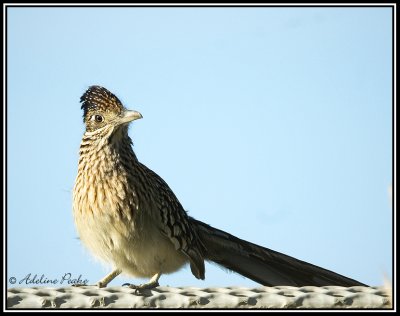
point(175, 224)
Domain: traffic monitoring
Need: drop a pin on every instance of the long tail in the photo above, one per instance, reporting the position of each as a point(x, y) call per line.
point(263, 265)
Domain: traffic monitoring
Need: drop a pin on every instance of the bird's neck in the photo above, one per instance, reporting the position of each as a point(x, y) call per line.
point(99, 149)
point(106, 164)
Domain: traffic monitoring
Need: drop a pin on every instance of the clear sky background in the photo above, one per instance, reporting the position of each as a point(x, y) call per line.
point(274, 124)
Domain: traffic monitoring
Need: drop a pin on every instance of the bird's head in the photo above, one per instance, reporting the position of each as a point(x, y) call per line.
point(103, 109)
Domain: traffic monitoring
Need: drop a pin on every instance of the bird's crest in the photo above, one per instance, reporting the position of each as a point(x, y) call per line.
point(97, 98)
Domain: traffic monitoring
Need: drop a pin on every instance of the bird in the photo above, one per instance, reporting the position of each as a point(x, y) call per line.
point(127, 216)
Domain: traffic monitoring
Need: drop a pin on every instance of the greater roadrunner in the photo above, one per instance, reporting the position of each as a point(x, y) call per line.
point(129, 217)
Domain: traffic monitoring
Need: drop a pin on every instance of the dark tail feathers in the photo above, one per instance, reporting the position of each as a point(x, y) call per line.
point(263, 265)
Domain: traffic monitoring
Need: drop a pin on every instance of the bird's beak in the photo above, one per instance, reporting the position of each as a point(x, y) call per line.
point(129, 116)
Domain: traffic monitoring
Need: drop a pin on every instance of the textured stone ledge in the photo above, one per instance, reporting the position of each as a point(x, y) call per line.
point(117, 297)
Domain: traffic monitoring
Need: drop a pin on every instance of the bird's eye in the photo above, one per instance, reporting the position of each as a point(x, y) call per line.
point(98, 118)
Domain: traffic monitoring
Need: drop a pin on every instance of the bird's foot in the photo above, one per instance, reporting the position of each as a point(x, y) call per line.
point(103, 282)
point(98, 284)
point(141, 287)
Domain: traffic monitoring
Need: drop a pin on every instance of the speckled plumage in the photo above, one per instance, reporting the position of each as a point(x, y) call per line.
point(97, 98)
point(124, 212)
point(128, 216)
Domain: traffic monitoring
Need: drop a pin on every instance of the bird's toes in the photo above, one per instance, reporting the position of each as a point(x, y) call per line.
point(142, 287)
point(82, 284)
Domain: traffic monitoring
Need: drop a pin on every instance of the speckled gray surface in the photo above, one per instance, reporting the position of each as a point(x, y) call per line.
point(285, 297)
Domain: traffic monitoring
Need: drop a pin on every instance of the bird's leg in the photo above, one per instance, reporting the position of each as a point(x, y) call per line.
point(103, 282)
point(108, 278)
point(153, 283)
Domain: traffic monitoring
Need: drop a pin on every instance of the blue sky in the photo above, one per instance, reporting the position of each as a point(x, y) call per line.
point(274, 124)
